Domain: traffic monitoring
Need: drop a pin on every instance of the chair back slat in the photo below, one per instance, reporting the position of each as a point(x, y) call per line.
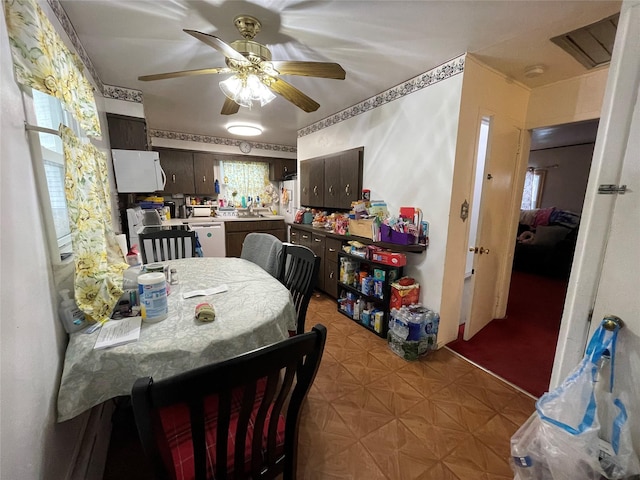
point(273, 381)
point(242, 429)
point(299, 273)
point(252, 400)
point(275, 413)
point(167, 245)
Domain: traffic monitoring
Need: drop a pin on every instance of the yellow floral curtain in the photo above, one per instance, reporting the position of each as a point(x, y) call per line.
point(42, 61)
point(98, 260)
point(246, 178)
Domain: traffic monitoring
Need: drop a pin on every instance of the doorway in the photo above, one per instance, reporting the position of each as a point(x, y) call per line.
point(520, 347)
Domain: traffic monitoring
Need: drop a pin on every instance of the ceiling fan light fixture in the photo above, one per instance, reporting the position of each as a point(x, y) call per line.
point(244, 129)
point(246, 90)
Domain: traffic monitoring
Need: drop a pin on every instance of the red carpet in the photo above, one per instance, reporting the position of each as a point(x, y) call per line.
point(520, 348)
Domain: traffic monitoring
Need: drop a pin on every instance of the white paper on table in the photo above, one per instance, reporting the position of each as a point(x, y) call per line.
point(118, 332)
point(208, 291)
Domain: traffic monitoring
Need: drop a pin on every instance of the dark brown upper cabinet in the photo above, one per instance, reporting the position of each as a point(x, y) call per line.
point(332, 181)
point(178, 167)
point(127, 133)
point(282, 169)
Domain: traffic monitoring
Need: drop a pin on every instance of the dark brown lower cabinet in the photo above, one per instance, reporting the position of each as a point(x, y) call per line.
point(235, 231)
point(327, 249)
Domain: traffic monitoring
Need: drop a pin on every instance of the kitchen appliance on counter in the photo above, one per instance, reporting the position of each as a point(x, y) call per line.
point(138, 171)
point(151, 216)
point(135, 223)
point(201, 210)
point(211, 236)
point(172, 208)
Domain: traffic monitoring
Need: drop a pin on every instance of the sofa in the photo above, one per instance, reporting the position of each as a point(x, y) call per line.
point(546, 242)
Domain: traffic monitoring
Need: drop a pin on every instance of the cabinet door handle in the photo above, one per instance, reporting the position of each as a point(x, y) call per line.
point(347, 190)
point(286, 169)
point(173, 178)
point(204, 179)
point(305, 190)
point(315, 190)
point(332, 250)
point(305, 236)
point(317, 240)
point(331, 275)
point(330, 189)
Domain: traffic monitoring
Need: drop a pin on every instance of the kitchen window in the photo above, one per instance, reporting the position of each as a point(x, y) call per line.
point(45, 111)
point(247, 179)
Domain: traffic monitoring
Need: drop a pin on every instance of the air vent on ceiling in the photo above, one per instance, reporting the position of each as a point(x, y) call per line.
point(591, 45)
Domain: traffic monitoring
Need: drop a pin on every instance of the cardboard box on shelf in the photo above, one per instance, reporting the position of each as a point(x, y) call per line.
point(365, 227)
point(389, 258)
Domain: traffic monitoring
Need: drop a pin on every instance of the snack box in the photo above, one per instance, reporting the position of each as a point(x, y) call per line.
point(390, 258)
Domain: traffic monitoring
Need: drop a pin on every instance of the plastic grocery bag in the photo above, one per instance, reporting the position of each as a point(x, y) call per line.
point(587, 428)
point(584, 430)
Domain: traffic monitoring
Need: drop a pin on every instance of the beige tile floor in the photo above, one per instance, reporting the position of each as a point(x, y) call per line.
point(372, 415)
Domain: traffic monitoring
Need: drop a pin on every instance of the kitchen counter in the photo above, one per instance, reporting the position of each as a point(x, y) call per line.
point(180, 221)
point(237, 228)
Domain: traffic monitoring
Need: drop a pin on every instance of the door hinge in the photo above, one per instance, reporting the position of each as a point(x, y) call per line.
point(610, 189)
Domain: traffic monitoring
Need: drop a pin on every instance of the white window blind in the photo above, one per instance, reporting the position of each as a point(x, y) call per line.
point(47, 112)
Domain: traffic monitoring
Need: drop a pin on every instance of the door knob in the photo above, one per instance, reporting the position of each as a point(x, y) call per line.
point(473, 249)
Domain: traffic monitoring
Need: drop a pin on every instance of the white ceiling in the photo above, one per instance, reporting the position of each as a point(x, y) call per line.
point(379, 43)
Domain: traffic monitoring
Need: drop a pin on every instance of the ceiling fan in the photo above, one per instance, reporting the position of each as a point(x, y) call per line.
point(251, 65)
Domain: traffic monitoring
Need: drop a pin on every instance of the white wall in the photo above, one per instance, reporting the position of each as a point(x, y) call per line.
point(567, 173)
point(568, 101)
point(31, 338)
point(409, 149)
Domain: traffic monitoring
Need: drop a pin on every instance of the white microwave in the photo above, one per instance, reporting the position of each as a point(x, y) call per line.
point(138, 171)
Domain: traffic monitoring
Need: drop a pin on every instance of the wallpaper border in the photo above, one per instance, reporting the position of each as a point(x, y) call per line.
point(230, 142)
point(423, 80)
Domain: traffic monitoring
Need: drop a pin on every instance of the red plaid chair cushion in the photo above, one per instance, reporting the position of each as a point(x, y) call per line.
point(177, 431)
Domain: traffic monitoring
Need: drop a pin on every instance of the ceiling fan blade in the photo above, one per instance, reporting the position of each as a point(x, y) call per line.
point(294, 95)
point(184, 73)
point(224, 48)
point(230, 107)
point(310, 69)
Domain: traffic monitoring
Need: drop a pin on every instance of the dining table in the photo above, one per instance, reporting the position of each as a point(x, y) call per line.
point(254, 311)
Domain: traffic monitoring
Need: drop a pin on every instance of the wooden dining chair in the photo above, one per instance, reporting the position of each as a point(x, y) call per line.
point(299, 269)
point(234, 419)
point(165, 245)
point(263, 249)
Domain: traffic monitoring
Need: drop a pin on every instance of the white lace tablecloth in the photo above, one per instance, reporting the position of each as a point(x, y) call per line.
point(255, 311)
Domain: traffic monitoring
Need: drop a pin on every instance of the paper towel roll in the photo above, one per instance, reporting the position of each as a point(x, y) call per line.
point(122, 243)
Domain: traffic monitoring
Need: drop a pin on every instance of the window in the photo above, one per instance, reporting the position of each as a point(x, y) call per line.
point(46, 111)
point(247, 179)
point(533, 186)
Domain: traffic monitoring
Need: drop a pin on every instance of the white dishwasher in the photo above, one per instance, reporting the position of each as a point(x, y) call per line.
point(211, 238)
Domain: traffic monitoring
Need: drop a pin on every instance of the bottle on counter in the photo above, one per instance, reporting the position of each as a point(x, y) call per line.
point(73, 319)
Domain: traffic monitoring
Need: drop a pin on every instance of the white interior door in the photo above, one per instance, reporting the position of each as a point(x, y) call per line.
point(494, 224)
point(618, 288)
